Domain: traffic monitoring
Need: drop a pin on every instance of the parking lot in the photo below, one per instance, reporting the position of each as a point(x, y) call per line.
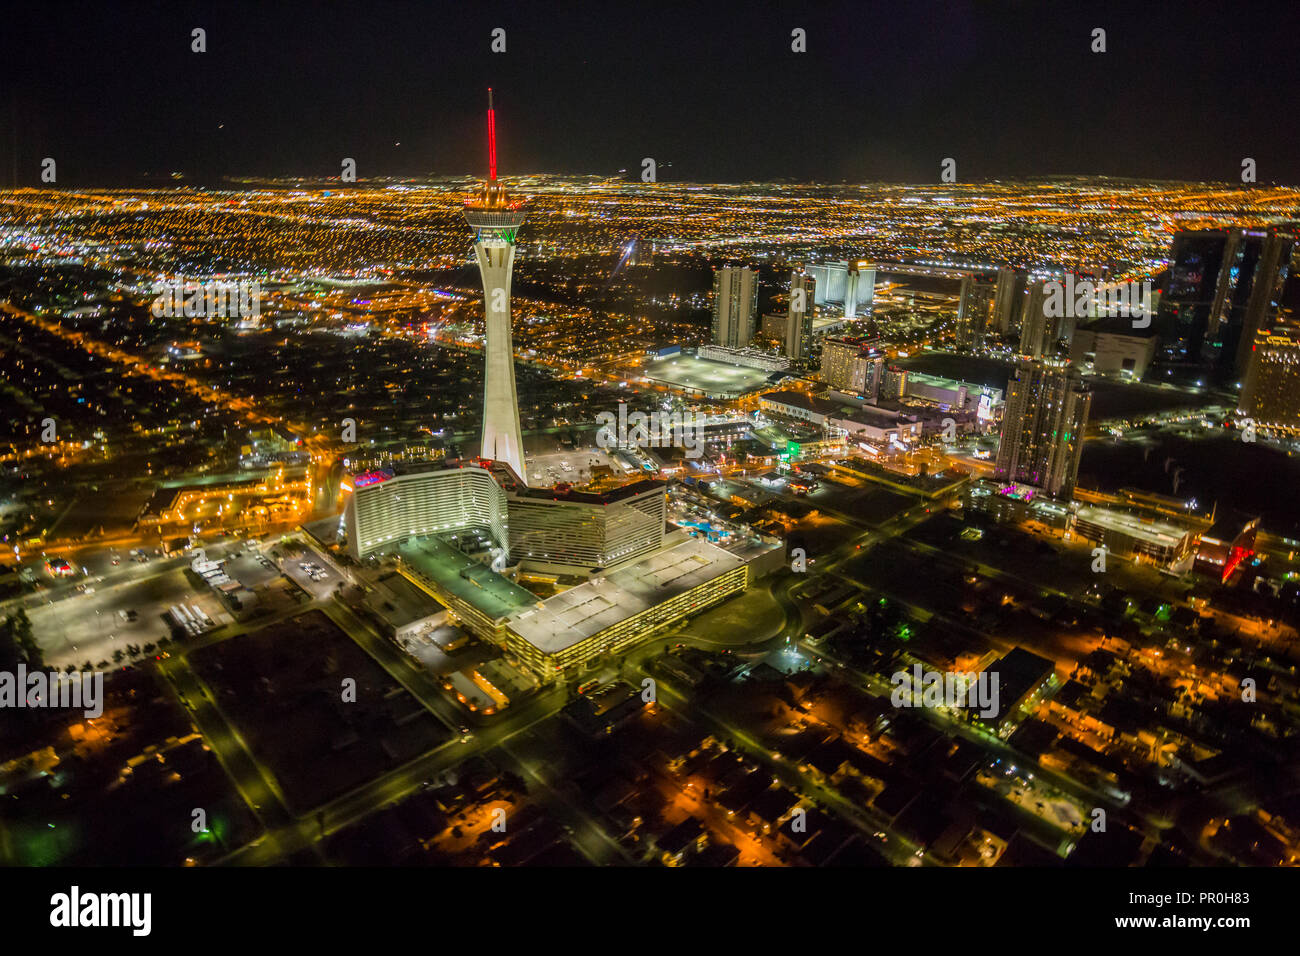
point(121, 596)
point(252, 569)
point(311, 572)
point(91, 625)
point(573, 467)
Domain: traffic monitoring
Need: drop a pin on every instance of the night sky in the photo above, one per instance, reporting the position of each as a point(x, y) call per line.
point(885, 91)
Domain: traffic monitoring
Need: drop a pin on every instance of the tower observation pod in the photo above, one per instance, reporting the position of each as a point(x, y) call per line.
point(496, 219)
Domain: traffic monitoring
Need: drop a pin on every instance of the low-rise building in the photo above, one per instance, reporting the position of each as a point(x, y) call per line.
point(878, 426)
point(403, 609)
point(1025, 680)
point(799, 405)
point(1228, 542)
point(1128, 535)
point(1105, 351)
point(612, 612)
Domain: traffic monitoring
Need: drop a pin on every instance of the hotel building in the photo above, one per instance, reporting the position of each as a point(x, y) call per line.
point(386, 508)
point(735, 306)
point(1271, 396)
point(1042, 428)
point(583, 530)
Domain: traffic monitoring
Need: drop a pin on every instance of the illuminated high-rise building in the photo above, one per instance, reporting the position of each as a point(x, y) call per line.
point(1038, 330)
point(1010, 292)
point(848, 283)
point(587, 530)
point(799, 317)
point(853, 365)
point(1042, 427)
point(735, 306)
point(974, 307)
point(1288, 299)
point(1224, 286)
point(1257, 299)
point(1271, 394)
point(1189, 298)
point(496, 219)
point(859, 287)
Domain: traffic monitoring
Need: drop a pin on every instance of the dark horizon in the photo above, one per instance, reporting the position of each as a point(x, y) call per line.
point(1011, 91)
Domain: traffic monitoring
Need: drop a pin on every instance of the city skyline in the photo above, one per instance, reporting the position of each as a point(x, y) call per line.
point(828, 437)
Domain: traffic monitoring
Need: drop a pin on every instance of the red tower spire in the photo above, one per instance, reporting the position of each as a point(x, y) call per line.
point(492, 139)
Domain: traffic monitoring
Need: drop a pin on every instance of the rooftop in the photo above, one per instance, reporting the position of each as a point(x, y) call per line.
point(940, 381)
point(464, 577)
point(399, 602)
point(1019, 671)
point(1163, 533)
point(713, 378)
point(877, 417)
point(622, 493)
point(809, 403)
point(1230, 526)
point(574, 615)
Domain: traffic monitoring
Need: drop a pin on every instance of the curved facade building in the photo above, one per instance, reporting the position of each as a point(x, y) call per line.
point(388, 510)
point(547, 527)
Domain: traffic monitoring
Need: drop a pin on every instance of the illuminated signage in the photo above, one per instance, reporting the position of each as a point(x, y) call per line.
point(371, 478)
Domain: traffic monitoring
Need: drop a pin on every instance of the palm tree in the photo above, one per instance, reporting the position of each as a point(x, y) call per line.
point(22, 633)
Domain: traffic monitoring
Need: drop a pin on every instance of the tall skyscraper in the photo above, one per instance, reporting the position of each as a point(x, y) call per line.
point(1224, 286)
point(853, 365)
point(496, 219)
point(848, 283)
point(1221, 283)
point(1042, 427)
point(735, 306)
point(893, 383)
point(640, 253)
point(1038, 330)
point(1288, 300)
point(1262, 302)
point(799, 316)
point(1271, 393)
point(973, 309)
point(1186, 304)
point(859, 287)
point(1010, 292)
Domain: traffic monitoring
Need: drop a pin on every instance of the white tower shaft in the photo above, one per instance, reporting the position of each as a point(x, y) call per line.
point(502, 436)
